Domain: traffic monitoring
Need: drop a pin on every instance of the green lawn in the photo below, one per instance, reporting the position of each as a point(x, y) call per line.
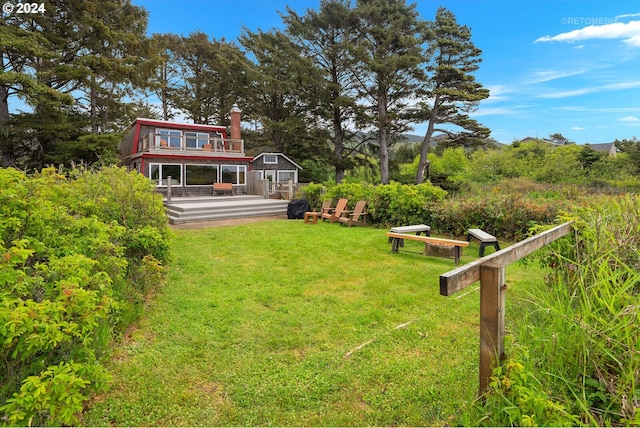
point(285, 323)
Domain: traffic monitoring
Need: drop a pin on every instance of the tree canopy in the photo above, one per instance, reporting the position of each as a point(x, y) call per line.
point(335, 87)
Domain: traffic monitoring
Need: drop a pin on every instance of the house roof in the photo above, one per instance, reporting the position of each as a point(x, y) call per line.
point(178, 125)
point(546, 140)
point(278, 154)
point(603, 147)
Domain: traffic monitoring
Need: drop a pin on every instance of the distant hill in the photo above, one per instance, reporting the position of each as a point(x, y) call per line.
point(411, 138)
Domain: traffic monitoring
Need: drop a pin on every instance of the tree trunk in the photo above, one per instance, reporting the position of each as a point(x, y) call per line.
point(7, 155)
point(423, 165)
point(164, 97)
point(93, 106)
point(382, 136)
point(338, 133)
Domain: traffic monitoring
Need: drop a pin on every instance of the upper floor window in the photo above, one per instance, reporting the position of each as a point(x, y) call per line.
point(270, 158)
point(169, 138)
point(196, 140)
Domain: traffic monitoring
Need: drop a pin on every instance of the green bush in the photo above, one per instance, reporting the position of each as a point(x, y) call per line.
point(390, 204)
point(351, 191)
point(313, 193)
point(508, 217)
point(76, 261)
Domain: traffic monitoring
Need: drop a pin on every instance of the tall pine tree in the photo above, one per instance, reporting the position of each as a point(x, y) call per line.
point(390, 36)
point(323, 37)
point(71, 64)
point(451, 90)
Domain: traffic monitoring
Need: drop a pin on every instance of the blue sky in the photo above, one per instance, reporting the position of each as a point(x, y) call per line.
point(567, 66)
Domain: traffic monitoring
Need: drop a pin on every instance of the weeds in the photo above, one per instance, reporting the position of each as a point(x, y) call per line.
point(580, 334)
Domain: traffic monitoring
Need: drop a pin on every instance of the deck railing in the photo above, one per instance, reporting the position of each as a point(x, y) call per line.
point(192, 144)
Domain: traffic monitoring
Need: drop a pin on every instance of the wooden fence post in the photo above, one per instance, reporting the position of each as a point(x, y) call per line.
point(490, 271)
point(492, 300)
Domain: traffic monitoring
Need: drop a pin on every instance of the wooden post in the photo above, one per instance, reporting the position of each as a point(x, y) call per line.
point(490, 271)
point(169, 189)
point(492, 300)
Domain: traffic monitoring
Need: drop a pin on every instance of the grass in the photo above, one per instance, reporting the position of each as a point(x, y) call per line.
point(285, 323)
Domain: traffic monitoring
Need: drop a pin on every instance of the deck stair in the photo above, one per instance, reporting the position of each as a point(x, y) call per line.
point(183, 210)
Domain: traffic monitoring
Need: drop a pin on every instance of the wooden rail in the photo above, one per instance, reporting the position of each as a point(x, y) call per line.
point(490, 271)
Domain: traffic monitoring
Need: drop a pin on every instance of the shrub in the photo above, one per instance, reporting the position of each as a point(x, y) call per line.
point(390, 204)
point(507, 217)
point(313, 193)
point(352, 191)
point(76, 258)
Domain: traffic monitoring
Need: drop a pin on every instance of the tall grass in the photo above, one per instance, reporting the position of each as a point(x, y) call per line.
point(576, 356)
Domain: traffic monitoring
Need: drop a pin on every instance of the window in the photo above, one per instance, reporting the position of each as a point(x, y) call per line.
point(196, 140)
point(233, 173)
point(159, 173)
point(200, 175)
point(168, 138)
point(270, 158)
point(286, 176)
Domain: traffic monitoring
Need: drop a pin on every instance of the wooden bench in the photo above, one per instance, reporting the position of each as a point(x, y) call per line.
point(416, 228)
point(222, 188)
point(484, 238)
point(432, 246)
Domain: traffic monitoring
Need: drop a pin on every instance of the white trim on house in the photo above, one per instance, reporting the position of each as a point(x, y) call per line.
point(160, 180)
point(289, 171)
point(278, 154)
point(270, 160)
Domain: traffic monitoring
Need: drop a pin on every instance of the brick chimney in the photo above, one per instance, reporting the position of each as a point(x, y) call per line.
point(235, 122)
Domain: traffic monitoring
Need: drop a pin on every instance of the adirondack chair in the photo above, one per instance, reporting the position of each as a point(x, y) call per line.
point(353, 218)
point(333, 214)
point(325, 206)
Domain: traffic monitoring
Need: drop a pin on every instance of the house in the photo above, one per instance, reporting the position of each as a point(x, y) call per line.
point(609, 148)
point(544, 140)
point(196, 156)
point(279, 172)
point(276, 167)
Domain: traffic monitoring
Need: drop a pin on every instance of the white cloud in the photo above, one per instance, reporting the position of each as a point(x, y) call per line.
point(547, 75)
point(629, 32)
point(497, 93)
point(577, 128)
point(600, 109)
point(499, 111)
point(627, 15)
point(630, 119)
point(583, 91)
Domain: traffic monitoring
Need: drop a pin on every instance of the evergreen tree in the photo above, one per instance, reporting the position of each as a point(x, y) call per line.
point(323, 37)
point(166, 74)
point(281, 81)
point(72, 65)
point(212, 78)
point(389, 35)
point(450, 91)
point(632, 148)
